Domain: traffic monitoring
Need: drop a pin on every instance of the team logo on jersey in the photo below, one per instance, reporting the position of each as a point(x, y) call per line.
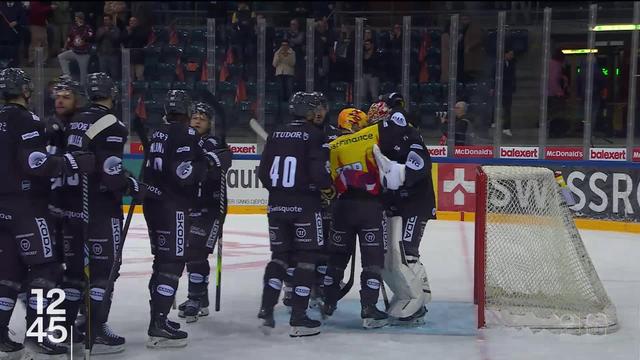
point(25, 245)
point(180, 233)
point(30, 135)
point(112, 165)
point(44, 235)
point(370, 237)
point(36, 159)
point(301, 233)
point(399, 119)
point(409, 228)
point(184, 170)
point(97, 249)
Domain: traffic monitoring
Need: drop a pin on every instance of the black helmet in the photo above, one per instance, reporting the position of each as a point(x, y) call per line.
point(66, 83)
point(177, 102)
point(13, 83)
point(202, 108)
point(393, 99)
point(100, 86)
point(322, 99)
point(302, 104)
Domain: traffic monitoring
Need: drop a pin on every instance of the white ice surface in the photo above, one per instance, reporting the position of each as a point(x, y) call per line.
point(447, 250)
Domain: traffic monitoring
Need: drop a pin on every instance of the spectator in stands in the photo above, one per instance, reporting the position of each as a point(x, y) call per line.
point(444, 53)
point(598, 93)
point(135, 38)
point(242, 23)
point(143, 11)
point(322, 44)
point(77, 47)
point(472, 50)
point(342, 68)
point(217, 10)
point(38, 13)
point(394, 45)
point(108, 39)
point(558, 91)
point(92, 11)
point(464, 131)
point(296, 40)
point(371, 67)
point(116, 10)
point(284, 61)
point(60, 24)
point(12, 25)
point(508, 89)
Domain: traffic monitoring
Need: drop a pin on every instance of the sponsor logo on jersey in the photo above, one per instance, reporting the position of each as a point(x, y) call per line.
point(319, 229)
point(327, 280)
point(290, 271)
point(213, 235)
point(47, 246)
point(180, 233)
point(370, 237)
point(4, 216)
point(272, 235)
point(30, 135)
point(336, 237)
point(72, 294)
point(518, 152)
point(610, 154)
point(344, 140)
point(322, 269)
point(285, 209)
point(165, 290)
point(79, 126)
point(184, 170)
point(25, 245)
point(373, 284)
point(301, 233)
point(115, 234)
point(183, 149)
point(116, 139)
point(112, 165)
point(414, 161)
point(75, 140)
point(287, 135)
point(162, 241)
point(302, 291)
point(97, 249)
point(97, 294)
point(36, 159)
point(275, 283)
point(196, 278)
point(33, 302)
point(6, 304)
point(409, 228)
point(156, 148)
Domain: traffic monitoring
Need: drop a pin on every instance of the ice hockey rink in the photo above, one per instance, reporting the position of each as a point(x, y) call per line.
point(447, 250)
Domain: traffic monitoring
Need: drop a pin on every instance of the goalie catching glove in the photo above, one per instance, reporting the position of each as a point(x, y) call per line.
point(392, 174)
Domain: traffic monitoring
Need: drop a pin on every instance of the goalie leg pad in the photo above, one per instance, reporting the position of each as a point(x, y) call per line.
point(419, 270)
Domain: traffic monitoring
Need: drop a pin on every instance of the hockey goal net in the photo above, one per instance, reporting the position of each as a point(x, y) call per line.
point(532, 269)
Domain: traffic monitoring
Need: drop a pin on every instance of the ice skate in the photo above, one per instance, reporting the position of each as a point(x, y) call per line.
point(106, 341)
point(372, 318)
point(327, 309)
point(35, 350)
point(417, 319)
point(9, 349)
point(191, 310)
point(163, 335)
point(268, 323)
point(304, 326)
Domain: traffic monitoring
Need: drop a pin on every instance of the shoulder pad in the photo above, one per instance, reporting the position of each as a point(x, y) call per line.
point(398, 119)
point(212, 141)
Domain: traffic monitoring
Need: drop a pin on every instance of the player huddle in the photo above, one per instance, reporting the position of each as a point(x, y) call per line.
point(62, 227)
point(368, 178)
point(61, 221)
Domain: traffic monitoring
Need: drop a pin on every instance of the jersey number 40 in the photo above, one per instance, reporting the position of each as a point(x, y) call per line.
point(288, 172)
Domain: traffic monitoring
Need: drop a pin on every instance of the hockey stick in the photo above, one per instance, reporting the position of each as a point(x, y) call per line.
point(258, 129)
point(223, 215)
point(347, 287)
point(86, 269)
point(385, 297)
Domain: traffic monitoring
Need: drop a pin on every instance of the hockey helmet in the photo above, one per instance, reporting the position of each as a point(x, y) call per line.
point(100, 86)
point(177, 102)
point(202, 108)
point(14, 82)
point(379, 111)
point(352, 119)
point(303, 105)
point(66, 83)
point(393, 100)
point(322, 99)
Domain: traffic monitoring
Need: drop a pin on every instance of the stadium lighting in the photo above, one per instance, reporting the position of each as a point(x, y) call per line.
point(616, 27)
point(579, 51)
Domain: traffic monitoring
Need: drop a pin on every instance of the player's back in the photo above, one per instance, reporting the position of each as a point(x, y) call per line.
point(295, 160)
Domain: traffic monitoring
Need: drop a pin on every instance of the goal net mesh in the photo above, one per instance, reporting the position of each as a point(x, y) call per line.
point(538, 273)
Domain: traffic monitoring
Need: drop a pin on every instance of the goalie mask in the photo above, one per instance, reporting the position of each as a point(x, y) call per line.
point(378, 111)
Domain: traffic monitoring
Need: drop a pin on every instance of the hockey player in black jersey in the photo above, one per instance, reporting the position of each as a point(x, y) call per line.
point(206, 218)
point(412, 200)
point(97, 129)
point(175, 165)
point(27, 253)
point(294, 169)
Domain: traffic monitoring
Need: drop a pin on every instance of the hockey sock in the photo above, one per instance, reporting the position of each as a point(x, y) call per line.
point(198, 279)
point(370, 279)
point(8, 295)
point(165, 287)
point(274, 273)
point(303, 280)
point(43, 277)
point(73, 290)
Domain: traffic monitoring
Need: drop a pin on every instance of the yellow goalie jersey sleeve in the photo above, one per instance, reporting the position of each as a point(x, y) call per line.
point(353, 165)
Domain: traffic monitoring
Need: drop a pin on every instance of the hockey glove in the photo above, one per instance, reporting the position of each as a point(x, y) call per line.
point(79, 162)
point(327, 195)
point(136, 190)
point(392, 174)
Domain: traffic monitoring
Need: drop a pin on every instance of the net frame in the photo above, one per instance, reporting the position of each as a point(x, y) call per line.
point(511, 289)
